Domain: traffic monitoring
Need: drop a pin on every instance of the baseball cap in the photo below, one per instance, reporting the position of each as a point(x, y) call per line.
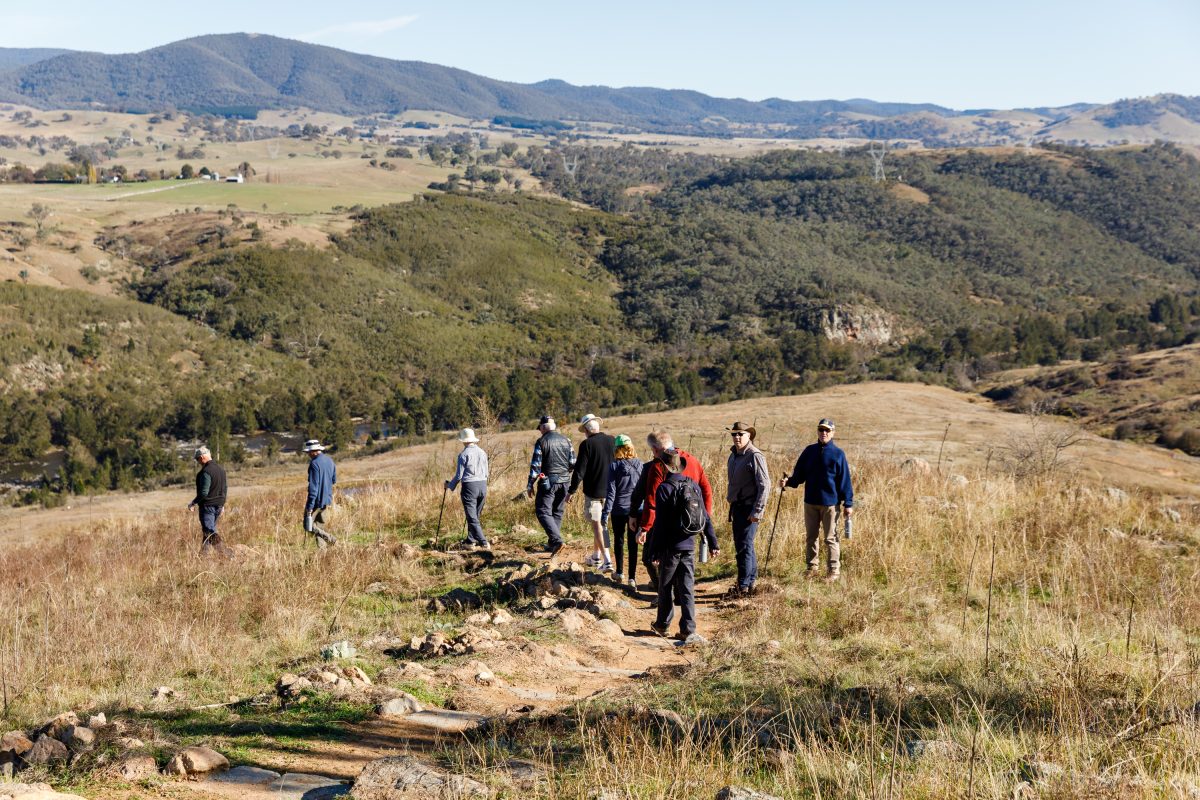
point(825, 423)
point(622, 440)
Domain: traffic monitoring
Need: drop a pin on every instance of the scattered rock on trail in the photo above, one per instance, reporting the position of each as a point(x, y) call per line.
point(196, 761)
point(97, 721)
point(79, 738)
point(472, 640)
point(32, 791)
point(135, 767)
point(291, 687)
point(46, 750)
point(458, 600)
point(55, 728)
point(15, 742)
point(338, 651)
point(405, 778)
point(400, 706)
point(742, 793)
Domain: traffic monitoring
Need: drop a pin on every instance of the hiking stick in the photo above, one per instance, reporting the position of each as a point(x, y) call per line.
point(437, 535)
point(771, 538)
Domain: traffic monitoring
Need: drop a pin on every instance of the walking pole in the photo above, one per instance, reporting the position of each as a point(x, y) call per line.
point(438, 534)
point(771, 538)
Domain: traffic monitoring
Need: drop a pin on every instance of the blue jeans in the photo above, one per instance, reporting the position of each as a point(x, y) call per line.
point(208, 527)
point(551, 502)
point(743, 544)
point(473, 495)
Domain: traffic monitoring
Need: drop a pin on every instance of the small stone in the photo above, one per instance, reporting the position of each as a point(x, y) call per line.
point(135, 767)
point(128, 743)
point(1036, 771)
point(778, 759)
point(56, 727)
point(547, 602)
point(742, 793)
point(338, 651)
point(485, 678)
point(959, 481)
point(400, 706)
point(46, 750)
point(356, 675)
point(291, 686)
point(610, 629)
point(378, 587)
point(197, 761)
point(481, 618)
point(162, 694)
point(502, 617)
point(574, 621)
point(97, 721)
point(773, 646)
point(1114, 495)
point(79, 738)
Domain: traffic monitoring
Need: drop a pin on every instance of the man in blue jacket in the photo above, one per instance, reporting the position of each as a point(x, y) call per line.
point(322, 475)
point(823, 470)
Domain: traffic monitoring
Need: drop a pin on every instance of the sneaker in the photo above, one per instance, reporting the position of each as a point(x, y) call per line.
point(733, 592)
point(619, 577)
point(606, 566)
point(661, 630)
point(631, 584)
point(485, 546)
point(691, 640)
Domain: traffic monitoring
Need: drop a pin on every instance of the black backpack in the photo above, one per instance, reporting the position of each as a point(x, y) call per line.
point(689, 506)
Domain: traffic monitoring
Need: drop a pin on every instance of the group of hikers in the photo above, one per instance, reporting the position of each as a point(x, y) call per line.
point(663, 505)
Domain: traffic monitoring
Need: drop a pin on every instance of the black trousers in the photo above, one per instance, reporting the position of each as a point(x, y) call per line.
point(622, 536)
point(677, 585)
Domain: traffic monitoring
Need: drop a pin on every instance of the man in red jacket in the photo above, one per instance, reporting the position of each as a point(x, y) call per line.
point(653, 475)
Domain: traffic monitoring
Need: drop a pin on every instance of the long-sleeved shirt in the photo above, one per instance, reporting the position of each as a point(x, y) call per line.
point(322, 475)
point(656, 472)
point(749, 482)
point(595, 456)
point(472, 466)
point(552, 457)
point(623, 478)
point(668, 533)
point(825, 474)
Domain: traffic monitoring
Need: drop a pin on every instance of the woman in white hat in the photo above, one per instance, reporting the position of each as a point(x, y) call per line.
point(472, 473)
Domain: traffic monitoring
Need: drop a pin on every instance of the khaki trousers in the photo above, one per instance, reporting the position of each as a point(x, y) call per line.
point(820, 519)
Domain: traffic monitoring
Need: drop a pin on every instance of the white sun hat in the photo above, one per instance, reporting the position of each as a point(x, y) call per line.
point(467, 436)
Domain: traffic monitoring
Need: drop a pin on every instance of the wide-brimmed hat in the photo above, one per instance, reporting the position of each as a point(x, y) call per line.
point(621, 440)
point(738, 427)
point(586, 419)
point(202, 451)
point(312, 446)
point(467, 436)
point(826, 423)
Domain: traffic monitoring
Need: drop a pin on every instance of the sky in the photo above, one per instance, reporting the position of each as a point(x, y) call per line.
point(965, 54)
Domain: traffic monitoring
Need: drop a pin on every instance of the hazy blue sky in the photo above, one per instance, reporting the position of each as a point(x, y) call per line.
point(961, 54)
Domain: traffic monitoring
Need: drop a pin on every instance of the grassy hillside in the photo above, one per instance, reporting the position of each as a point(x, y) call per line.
point(1047, 646)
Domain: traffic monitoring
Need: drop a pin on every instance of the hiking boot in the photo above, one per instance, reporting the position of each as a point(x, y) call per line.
point(732, 593)
point(485, 546)
point(812, 573)
point(661, 630)
point(833, 577)
point(654, 601)
point(691, 640)
point(555, 549)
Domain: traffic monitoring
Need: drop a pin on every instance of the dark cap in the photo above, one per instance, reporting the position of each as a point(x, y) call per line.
point(826, 423)
point(545, 421)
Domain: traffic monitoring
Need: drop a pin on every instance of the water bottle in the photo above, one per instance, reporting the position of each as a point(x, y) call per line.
point(703, 550)
point(846, 532)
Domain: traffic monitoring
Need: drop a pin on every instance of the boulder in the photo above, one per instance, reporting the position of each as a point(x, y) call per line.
point(408, 778)
point(502, 617)
point(97, 721)
point(400, 706)
point(290, 686)
point(55, 728)
point(247, 776)
point(196, 761)
point(79, 738)
point(46, 750)
point(135, 767)
point(575, 622)
point(610, 629)
point(457, 600)
point(338, 651)
point(15, 742)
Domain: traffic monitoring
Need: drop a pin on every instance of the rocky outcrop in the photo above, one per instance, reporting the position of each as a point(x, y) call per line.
point(852, 323)
point(407, 778)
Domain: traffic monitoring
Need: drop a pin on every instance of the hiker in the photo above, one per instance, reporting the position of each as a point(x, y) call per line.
point(550, 472)
point(322, 475)
point(680, 515)
point(823, 470)
point(592, 463)
point(623, 477)
point(748, 488)
point(653, 474)
point(211, 491)
point(472, 473)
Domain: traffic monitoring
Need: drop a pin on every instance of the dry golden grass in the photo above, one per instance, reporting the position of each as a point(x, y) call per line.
point(904, 649)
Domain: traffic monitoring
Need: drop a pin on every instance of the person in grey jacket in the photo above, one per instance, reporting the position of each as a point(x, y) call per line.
point(549, 474)
point(472, 473)
point(322, 475)
point(749, 487)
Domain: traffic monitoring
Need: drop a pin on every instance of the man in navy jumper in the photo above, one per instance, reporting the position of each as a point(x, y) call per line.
point(322, 475)
point(823, 470)
point(671, 550)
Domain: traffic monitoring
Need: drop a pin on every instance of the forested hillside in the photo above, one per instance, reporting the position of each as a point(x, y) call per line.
point(715, 280)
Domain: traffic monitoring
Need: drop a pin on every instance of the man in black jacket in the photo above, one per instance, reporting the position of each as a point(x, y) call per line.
point(211, 491)
point(550, 472)
point(592, 463)
point(672, 545)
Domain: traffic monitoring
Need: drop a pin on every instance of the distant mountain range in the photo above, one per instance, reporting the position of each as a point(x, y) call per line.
point(239, 73)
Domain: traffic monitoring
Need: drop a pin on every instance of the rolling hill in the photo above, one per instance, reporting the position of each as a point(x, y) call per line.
point(243, 73)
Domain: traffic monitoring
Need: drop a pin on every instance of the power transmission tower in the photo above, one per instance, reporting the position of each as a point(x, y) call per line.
point(572, 165)
point(877, 154)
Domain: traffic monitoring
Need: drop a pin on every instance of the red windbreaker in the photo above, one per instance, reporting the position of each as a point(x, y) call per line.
point(656, 472)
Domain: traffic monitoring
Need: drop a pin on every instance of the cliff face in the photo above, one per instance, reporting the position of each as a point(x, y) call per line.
point(853, 323)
